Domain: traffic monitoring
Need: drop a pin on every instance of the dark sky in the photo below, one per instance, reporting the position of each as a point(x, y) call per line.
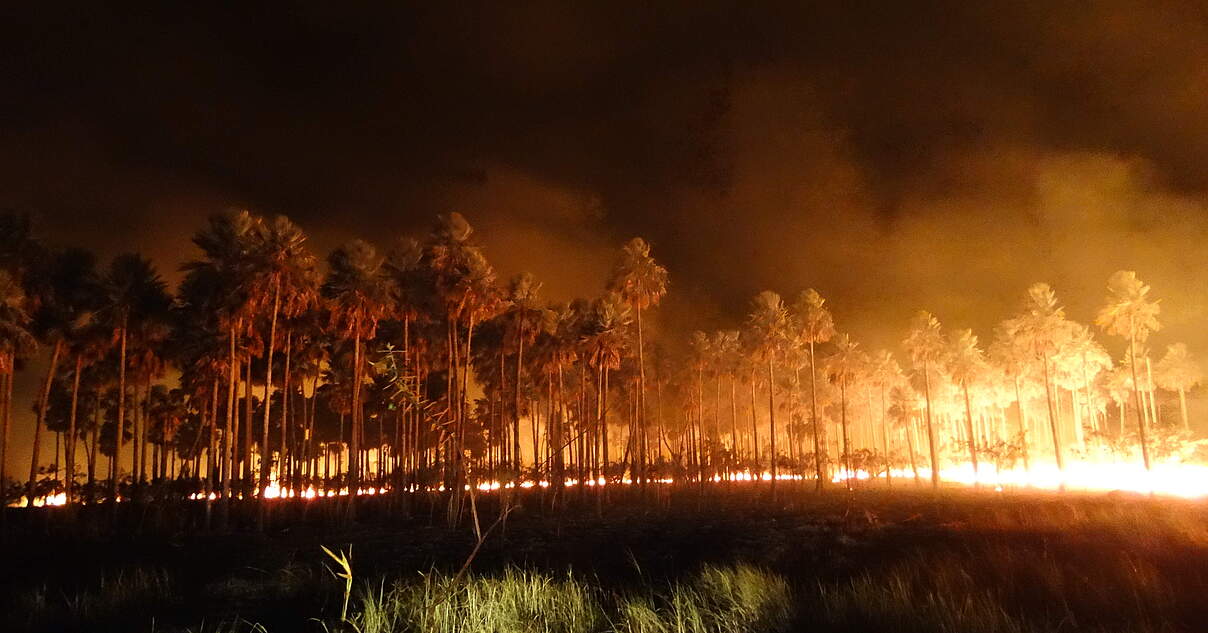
point(895, 155)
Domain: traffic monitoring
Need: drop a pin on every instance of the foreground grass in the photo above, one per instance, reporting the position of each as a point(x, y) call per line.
point(903, 563)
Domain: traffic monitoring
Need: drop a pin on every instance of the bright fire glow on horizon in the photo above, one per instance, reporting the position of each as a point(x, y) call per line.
point(1171, 478)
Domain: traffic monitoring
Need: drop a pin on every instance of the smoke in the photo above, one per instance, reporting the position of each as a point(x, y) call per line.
point(894, 157)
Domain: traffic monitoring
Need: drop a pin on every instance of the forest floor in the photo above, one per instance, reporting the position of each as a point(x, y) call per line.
point(725, 559)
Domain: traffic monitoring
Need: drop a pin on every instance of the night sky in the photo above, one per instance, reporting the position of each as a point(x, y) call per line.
point(895, 155)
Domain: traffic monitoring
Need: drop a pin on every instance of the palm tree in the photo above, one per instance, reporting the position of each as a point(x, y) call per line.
point(78, 292)
point(357, 300)
point(133, 290)
point(410, 296)
point(967, 364)
point(768, 323)
point(16, 341)
point(465, 288)
point(1130, 313)
point(1178, 371)
point(903, 407)
point(563, 325)
point(605, 337)
point(1043, 330)
point(522, 316)
point(728, 348)
point(925, 344)
point(641, 282)
point(701, 348)
point(1012, 356)
point(217, 287)
point(68, 291)
point(885, 374)
point(843, 365)
point(814, 325)
point(283, 268)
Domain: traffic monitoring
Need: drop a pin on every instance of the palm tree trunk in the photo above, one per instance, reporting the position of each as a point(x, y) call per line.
point(733, 424)
point(228, 435)
point(1048, 391)
point(1183, 408)
point(700, 417)
point(969, 430)
point(843, 424)
point(754, 430)
point(640, 418)
point(43, 404)
point(354, 455)
point(121, 416)
point(69, 483)
point(247, 471)
point(516, 403)
point(935, 464)
point(819, 455)
point(6, 408)
point(604, 430)
point(914, 461)
point(1023, 426)
point(885, 440)
point(265, 453)
point(286, 411)
point(772, 417)
point(94, 440)
point(142, 429)
point(1132, 357)
point(1153, 403)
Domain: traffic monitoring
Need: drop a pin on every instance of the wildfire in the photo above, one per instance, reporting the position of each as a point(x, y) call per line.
point(1170, 479)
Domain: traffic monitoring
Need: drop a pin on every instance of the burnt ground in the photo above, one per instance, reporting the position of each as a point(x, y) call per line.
point(1081, 559)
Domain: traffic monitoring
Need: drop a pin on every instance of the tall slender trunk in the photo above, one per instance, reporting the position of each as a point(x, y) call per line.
point(462, 474)
point(354, 453)
point(604, 428)
point(914, 461)
point(754, 430)
point(266, 461)
point(1153, 403)
point(93, 434)
point(715, 429)
point(43, 404)
point(287, 410)
point(640, 418)
point(969, 430)
point(1132, 357)
point(935, 463)
point(559, 475)
point(700, 418)
point(6, 409)
point(819, 455)
point(121, 415)
point(885, 439)
point(1023, 425)
point(843, 425)
point(734, 458)
point(69, 483)
point(247, 471)
point(228, 435)
point(1183, 408)
point(1048, 391)
point(143, 409)
point(772, 417)
point(516, 403)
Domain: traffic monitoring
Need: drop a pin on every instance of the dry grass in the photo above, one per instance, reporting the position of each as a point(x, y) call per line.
point(906, 563)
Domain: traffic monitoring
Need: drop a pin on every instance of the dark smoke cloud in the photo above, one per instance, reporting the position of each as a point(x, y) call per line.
point(896, 156)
